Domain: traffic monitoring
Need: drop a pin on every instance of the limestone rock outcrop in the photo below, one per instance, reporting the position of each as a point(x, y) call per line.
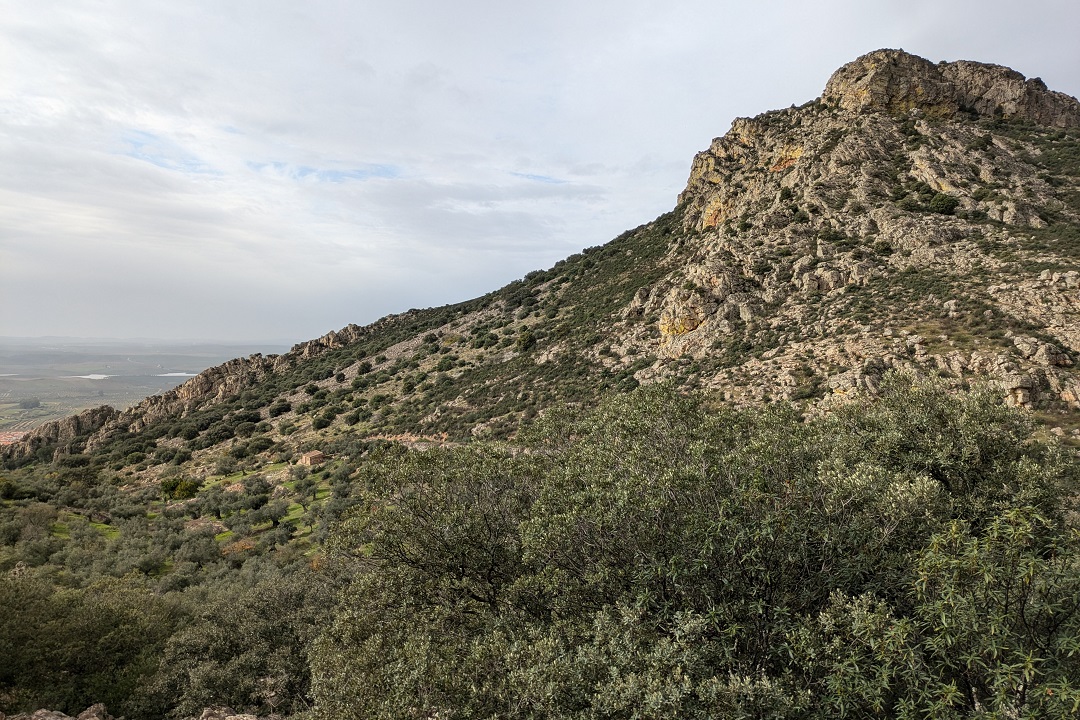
point(94, 712)
point(222, 712)
point(905, 178)
point(61, 433)
point(897, 82)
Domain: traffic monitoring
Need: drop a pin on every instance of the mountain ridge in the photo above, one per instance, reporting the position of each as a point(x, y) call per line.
point(904, 190)
point(829, 325)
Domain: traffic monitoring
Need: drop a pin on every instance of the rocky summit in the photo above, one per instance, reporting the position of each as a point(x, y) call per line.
point(916, 215)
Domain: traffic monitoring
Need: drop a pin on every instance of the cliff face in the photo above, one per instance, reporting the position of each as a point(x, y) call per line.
point(896, 82)
point(911, 204)
point(62, 433)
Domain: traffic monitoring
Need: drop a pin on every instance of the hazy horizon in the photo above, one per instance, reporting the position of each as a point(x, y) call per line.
point(251, 170)
point(64, 376)
point(152, 340)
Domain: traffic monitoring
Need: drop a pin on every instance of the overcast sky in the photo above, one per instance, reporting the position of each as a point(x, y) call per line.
point(277, 169)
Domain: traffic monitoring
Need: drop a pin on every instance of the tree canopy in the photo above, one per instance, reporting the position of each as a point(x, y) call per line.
point(656, 558)
point(657, 555)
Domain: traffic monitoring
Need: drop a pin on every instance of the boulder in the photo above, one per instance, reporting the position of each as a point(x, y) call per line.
point(897, 82)
point(94, 712)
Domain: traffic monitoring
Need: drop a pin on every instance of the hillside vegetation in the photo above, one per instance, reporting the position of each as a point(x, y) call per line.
point(901, 558)
point(802, 447)
point(654, 557)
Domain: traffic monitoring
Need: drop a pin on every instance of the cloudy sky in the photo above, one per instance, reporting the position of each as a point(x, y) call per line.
point(274, 169)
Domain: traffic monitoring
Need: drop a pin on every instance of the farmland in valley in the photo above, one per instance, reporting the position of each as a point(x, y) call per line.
point(44, 379)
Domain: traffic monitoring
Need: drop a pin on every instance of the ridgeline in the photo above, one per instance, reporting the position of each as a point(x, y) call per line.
point(802, 447)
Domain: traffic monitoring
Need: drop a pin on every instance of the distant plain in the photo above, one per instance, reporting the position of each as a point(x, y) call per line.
point(43, 379)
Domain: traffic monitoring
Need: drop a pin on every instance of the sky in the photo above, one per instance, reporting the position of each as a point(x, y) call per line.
point(257, 170)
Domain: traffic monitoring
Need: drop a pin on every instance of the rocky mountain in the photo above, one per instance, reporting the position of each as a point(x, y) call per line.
point(916, 215)
point(194, 553)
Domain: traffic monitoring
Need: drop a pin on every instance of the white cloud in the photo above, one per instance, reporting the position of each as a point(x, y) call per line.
point(265, 169)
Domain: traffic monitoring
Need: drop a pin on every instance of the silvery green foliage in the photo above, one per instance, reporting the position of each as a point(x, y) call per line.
point(657, 558)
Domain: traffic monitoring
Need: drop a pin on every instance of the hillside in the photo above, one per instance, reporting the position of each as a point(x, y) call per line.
point(914, 216)
point(918, 220)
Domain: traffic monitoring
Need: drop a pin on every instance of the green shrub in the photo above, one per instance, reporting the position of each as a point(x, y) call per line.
point(909, 203)
point(943, 204)
point(525, 340)
point(70, 648)
point(279, 408)
point(903, 557)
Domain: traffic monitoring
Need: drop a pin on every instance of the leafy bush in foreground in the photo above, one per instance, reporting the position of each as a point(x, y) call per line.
point(910, 556)
point(651, 559)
